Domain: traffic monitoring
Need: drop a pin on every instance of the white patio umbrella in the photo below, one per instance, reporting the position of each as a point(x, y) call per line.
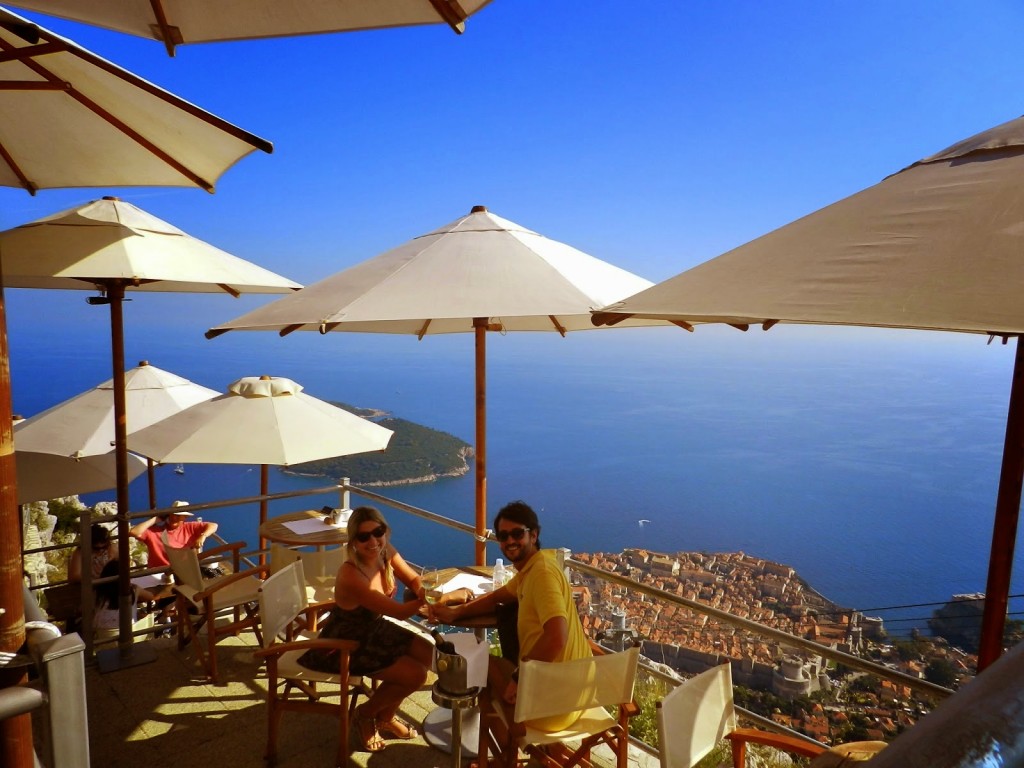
point(83, 426)
point(43, 476)
point(69, 118)
point(113, 247)
point(479, 273)
point(937, 246)
point(259, 420)
point(175, 22)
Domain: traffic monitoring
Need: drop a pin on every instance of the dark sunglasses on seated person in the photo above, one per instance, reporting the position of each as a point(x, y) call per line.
point(515, 533)
point(364, 536)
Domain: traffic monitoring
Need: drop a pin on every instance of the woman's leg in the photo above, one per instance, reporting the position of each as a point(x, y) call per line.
point(399, 680)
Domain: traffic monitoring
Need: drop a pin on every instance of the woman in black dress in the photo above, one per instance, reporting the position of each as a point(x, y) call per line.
point(364, 593)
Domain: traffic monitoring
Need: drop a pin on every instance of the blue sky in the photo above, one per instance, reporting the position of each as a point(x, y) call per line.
point(654, 140)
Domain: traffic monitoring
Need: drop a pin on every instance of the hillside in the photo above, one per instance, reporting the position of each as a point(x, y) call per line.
point(416, 454)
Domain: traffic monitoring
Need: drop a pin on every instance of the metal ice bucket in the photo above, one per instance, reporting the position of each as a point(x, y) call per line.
point(451, 673)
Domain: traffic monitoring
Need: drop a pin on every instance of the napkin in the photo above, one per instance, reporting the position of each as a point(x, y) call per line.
point(470, 581)
point(475, 653)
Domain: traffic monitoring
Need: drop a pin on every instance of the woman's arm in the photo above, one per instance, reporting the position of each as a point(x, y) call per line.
point(75, 565)
point(407, 575)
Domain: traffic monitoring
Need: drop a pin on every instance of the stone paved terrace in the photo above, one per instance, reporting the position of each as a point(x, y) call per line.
point(165, 714)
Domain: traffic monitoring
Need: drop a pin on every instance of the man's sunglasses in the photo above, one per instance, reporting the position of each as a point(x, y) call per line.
point(364, 536)
point(515, 533)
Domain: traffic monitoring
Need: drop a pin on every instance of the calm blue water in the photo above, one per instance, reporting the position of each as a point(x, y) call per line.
point(868, 460)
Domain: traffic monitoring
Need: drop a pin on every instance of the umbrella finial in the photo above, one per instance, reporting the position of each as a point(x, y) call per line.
point(479, 209)
point(143, 362)
point(112, 198)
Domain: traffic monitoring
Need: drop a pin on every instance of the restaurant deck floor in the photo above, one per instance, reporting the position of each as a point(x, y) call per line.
point(165, 714)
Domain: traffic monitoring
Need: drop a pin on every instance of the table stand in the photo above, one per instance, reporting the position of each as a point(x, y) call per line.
point(458, 733)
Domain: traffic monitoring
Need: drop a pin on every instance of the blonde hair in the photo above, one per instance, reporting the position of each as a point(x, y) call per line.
point(362, 515)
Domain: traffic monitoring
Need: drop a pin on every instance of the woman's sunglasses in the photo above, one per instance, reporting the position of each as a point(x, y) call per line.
point(515, 533)
point(364, 536)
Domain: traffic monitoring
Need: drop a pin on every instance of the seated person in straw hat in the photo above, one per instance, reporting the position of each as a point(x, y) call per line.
point(171, 530)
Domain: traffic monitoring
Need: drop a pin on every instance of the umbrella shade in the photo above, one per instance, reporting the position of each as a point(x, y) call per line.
point(259, 421)
point(69, 118)
point(195, 21)
point(84, 424)
point(478, 266)
point(109, 239)
point(43, 476)
point(936, 246)
point(479, 273)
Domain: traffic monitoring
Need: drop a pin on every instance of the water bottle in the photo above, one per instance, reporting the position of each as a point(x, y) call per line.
point(498, 579)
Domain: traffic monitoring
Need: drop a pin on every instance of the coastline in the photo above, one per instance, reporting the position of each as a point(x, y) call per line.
point(459, 472)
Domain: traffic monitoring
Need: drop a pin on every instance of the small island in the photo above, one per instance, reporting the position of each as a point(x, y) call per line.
point(416, 454)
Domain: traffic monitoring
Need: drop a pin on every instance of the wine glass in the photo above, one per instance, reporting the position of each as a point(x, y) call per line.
point(430, 579)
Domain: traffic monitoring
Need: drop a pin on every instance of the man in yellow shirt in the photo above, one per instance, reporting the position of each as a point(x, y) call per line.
point(548, 625)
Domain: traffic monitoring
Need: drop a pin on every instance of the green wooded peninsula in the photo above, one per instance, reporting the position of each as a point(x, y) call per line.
point(416, 454)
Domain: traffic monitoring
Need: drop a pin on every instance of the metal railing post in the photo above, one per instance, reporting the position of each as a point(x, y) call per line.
point(61, 663)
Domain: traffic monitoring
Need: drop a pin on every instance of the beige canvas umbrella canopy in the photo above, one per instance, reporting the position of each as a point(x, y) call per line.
point(83, 426)
point(938, 246)
point(44, 476)
point(175, 22)
point(477, 274)
point(259, 420)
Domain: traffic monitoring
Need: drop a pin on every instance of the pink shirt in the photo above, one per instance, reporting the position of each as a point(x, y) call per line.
point(182, 537)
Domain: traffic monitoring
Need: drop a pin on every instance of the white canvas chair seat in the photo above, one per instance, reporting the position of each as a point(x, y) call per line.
point(204, 602)
point(552, 689)
point(699, 714)
point(284, 612)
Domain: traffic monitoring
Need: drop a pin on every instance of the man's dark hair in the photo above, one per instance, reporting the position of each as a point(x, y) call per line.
point(522, 513)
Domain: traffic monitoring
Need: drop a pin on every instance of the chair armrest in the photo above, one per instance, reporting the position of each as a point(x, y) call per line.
point(234, 547)
point(260, 571)
point(277, 649)
point(777, 740)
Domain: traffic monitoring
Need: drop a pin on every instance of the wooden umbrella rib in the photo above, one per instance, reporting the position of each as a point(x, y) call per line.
point(171, 36)
point(96, 109)
point(558, 326)
point(170, 98)
point(452, 13)
point(16, 169)
point(229, 290)
point(13, 53)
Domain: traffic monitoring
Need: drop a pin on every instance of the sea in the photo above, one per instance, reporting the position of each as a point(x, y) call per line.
point(866, 459)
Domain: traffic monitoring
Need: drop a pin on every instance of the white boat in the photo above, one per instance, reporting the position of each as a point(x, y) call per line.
point(180, 469)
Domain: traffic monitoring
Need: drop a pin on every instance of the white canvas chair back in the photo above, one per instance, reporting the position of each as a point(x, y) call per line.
point(322, 563)
point(282, 598)
point(281, 556)
point(555, 688)
point(185, 566)
point(695, 717)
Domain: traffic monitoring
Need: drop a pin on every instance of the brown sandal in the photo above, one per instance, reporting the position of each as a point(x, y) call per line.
point(366, 731)
point(397, 728)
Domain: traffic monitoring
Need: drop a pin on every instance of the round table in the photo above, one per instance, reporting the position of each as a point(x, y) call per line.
point(324, 535)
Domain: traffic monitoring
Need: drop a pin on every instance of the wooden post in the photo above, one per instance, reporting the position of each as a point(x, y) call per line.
point(1004, 532)
point(480, 452)
point(15, 732)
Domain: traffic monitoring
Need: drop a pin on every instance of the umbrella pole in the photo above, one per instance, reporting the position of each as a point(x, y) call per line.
point(480, 454)
point(127, 653)
point(15, 732)
point(151, 478)
point(1004, 533)
point(264, 490)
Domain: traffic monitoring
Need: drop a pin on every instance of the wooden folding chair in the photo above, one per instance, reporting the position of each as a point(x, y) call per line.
point(209, 602)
